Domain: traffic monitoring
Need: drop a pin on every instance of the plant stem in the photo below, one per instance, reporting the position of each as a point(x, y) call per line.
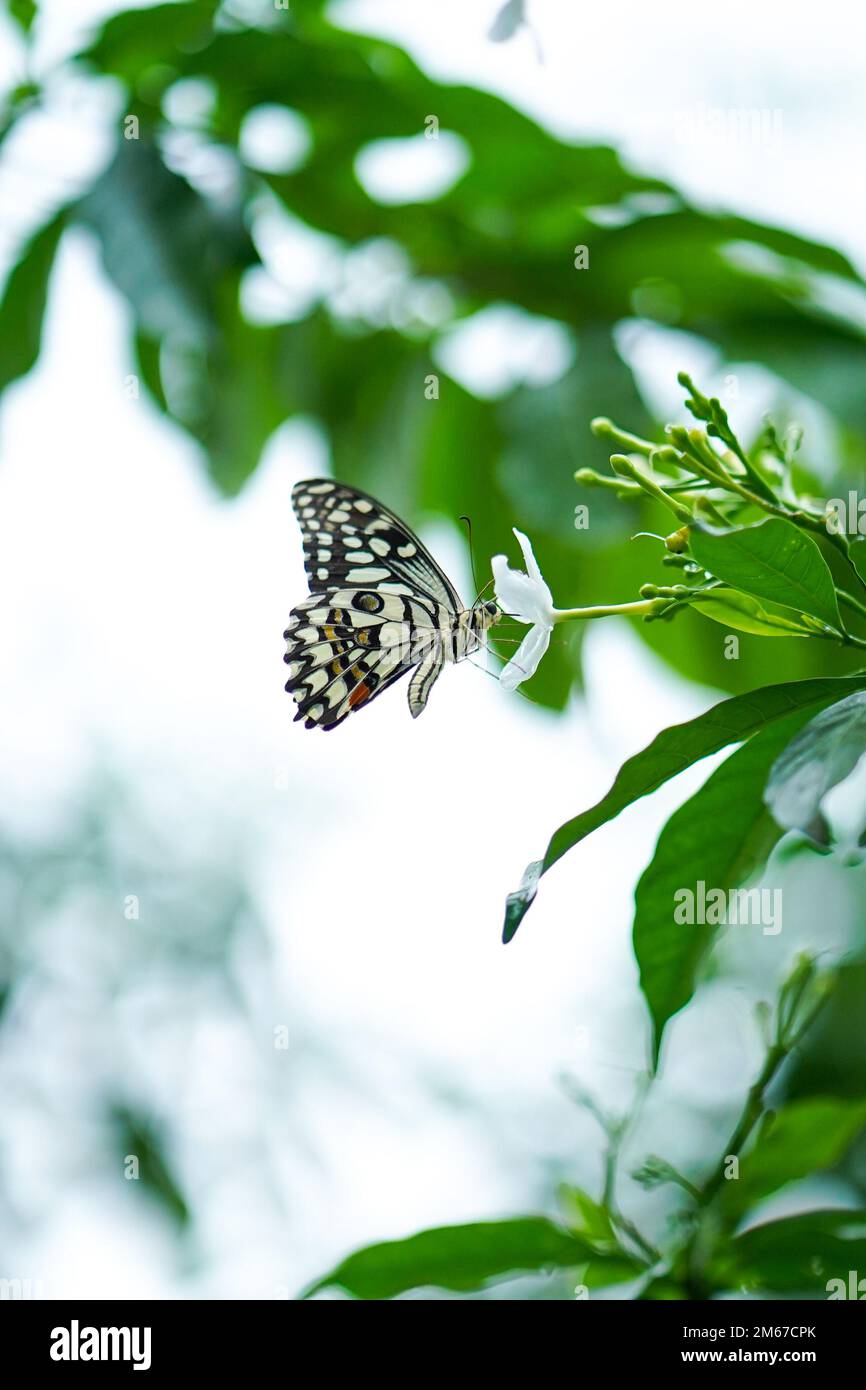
point(752, 1111)
point(612, 610)
point(795, 1014)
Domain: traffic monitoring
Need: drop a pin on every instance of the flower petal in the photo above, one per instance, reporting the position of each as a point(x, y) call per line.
point(524, 596)
point(516, 593)
point(524, 662)
point(532, 568)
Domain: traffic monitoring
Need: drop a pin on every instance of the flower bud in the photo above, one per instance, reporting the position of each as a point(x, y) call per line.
point(678, 541)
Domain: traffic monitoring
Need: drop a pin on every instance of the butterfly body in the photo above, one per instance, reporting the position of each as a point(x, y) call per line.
point(379, 607)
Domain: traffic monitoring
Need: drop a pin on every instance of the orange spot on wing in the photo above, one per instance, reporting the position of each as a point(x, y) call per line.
point(359, 695)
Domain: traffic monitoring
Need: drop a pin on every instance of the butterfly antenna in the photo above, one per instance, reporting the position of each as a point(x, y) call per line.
point(468, 521)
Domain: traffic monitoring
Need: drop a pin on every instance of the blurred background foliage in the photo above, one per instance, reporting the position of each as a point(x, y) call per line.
point(229, 346)
point(182, 210)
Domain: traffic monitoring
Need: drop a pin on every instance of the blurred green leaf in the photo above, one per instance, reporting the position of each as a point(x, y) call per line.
point(803, 1137)
point(177, 259)
point(797, 1254)
point(23, 304)
point(463, 1258)
point(587, 1217)
point(132, 44)
point(23, 12)
point(835, 1061)
point(822, 755)
point(680, 746)
point(163, 245)
point(606, 1271)
point(774, 560)
point(507, 229)
point(137, 1137)
point(720, 836)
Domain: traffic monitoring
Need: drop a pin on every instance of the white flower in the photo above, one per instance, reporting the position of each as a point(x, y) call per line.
point(527, 598)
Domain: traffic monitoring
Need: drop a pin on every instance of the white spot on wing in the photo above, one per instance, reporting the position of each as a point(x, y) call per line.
point(362, 576)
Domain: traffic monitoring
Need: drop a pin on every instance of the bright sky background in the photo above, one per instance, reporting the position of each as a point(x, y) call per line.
point(145, 636)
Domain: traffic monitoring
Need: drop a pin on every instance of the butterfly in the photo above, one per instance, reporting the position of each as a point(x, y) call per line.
point(379, 606)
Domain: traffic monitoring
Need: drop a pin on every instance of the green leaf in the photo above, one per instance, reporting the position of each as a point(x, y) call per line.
point(136, 1136)
point(183, 244)
point(822, 755)
point(586, 1217)
point(133, 42)
point(607, 1272)
point(773, 560)
point(23, 12)
point(834, 1063)
point(463, 1258)
point(518, 903)
point(23, 305)
point(802, 1138)
point(215, 373)
point(680, 746)
point(746, 614)
point(796, 1254)
point(498, 234)
point(720, 836)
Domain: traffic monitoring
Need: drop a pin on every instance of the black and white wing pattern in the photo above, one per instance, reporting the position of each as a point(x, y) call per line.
point(379, 606)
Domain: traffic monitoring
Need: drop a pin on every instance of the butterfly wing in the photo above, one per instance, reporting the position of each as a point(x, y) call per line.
point(351, 539)
point(377, 602)
point(339, 660)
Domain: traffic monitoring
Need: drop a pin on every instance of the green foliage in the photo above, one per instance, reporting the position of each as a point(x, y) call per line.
point(504, 233)
point(702, 1254)
point(720, 836)
point(774, 561)
point(821, 757)
point(734, 609)
point(835, 1062)
point(752, 548)
point(790, 1254)
point(138, 1138)
point(23, 303)
point(802, 1138)
point(23, 12)
point(768, 578)
point(671, 752)
point(718, 427)
point(199, 357)
point(463, 1258)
